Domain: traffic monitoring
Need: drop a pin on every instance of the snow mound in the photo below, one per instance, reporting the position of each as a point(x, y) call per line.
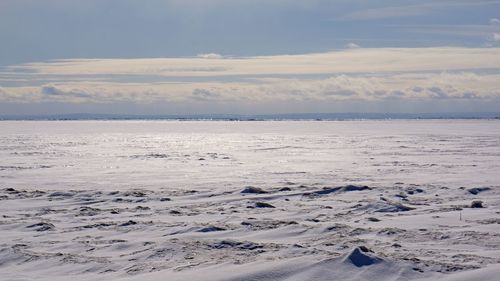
point(361, 256)
point(253, 190)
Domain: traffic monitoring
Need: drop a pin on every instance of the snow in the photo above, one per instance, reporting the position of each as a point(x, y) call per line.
point(172, 200)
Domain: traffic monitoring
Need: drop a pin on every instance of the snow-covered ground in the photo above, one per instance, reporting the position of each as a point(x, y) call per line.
point(288, 200)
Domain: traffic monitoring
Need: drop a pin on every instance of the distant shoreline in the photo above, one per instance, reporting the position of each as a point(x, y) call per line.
point(262, 117)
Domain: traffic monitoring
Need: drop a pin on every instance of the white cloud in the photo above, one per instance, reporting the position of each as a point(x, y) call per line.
point(494, 21)
point(352, 46)
point(210, 56)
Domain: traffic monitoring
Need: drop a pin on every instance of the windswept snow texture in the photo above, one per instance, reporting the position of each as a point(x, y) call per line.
point(172, 200)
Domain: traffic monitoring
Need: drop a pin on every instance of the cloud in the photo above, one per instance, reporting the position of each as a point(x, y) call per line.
point(204, 95)
point(340, 92)
point(210, 56)
point(352, 46)
point(494, 21)
point(345, 87)
point(368, 75)
point(384, 11)
point(51, 90)
point(348, 61)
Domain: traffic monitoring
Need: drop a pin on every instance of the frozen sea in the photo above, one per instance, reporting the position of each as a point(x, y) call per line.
point(119, 155)
point(267, 200)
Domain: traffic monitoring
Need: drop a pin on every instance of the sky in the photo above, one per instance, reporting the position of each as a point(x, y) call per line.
point(248, 56)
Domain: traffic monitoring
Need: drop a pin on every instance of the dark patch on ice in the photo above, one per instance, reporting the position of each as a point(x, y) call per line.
point(253, 190)
point(359, 231)
point(157, 155)
point(263, 205)
point(347, 188)
point(391, 231)
point(360, 257)
point(477, 190)
point(88, 211)
point(61, 194)
point(42, 226)
point(135, 193)
point(413, 191)
point(276, 148)
point(393, 207)
point(285, 189)
point(98, 225)
point(211, 229)
point(489, 221)
point(142, 208)
point(267, 224)
point(477, 204)
point(224, 244)
point(130, 222)
point(401, 195)
point(20, 168)
point(337, 227)
point(45, 211)
point(109, 242)
point(383, 206)
point(151, 155)
point(19, 246)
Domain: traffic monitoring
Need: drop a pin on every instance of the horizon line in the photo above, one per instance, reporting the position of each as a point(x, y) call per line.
point(253, 117)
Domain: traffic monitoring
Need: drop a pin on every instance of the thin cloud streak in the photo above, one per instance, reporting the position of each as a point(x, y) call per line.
point(346, 61)
point(411, 9)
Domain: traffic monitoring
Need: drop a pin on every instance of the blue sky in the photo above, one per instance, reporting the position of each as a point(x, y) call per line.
point(248, 56)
